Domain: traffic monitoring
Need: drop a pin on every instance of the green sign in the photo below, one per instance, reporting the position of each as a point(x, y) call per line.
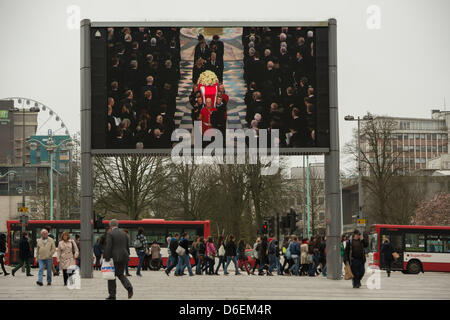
point(3, 114)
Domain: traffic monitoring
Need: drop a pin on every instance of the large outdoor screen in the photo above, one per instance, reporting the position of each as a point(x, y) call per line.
point(152, 85)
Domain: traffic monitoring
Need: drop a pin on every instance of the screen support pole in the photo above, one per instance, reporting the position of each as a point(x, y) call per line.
point(333, 217)
point(86, 157)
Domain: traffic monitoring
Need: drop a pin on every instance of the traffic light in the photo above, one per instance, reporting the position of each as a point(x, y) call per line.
point(285, 222)
point(264, 229)
point(271, 224)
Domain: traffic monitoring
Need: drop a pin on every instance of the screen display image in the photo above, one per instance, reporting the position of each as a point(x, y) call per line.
point(148, 82)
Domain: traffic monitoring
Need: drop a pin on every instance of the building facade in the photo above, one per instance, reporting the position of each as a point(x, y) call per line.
point(418, 140)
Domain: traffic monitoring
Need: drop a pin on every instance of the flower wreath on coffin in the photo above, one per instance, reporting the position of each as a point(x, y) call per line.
point(208, 84)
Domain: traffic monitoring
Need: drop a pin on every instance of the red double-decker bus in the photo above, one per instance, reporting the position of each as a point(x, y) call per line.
point(421, 248)
point(154, 230)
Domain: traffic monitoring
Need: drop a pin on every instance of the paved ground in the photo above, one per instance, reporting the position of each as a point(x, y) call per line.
point(155, 285)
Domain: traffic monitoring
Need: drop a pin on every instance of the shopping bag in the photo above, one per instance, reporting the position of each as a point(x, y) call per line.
point(108, 271)
point(348, 272)
point(395, 255)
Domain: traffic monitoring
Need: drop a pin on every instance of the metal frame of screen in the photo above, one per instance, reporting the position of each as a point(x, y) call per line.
point(330, 152)
point(321, 64)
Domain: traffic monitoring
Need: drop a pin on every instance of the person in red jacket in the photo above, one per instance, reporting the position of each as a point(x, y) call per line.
point(205, 115)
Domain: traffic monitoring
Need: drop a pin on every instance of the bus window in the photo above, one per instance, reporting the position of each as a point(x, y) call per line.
point(171, 231)
point(373, 242)
point(158, 235)
point(434, 244)
point(446, 245)
point(192, 233)
point(414, 242)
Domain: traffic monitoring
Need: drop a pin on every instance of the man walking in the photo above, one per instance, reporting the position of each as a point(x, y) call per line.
point(354, 254)
point(24, 254)
point(386, 253)
point(172, 261)
point(45, 248)
point(117, 249)
point(183, 260)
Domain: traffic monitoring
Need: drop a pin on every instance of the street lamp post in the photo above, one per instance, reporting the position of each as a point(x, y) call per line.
point(51, 147)
point(360, 191)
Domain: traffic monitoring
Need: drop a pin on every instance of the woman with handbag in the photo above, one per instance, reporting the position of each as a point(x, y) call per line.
point(67, 254)
point(210, 256)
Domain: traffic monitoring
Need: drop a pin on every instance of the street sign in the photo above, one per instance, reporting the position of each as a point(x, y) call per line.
point(361, 222)
point(23, 209)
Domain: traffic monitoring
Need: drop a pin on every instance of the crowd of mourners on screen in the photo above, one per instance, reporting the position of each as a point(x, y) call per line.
point(144, 71)
point(279, 73)
point(143, 74)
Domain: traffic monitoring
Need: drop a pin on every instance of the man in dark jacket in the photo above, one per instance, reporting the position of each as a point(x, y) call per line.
point(117, 249)
point(355, 255)
point(183, 260)
point(172, 261)
point(231, 254)
point(24, 254)
point(386, 253)
point(3, 252)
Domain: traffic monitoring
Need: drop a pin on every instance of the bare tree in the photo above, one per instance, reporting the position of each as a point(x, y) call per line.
point(435, 211)
point(380, 165)
point(127, 184)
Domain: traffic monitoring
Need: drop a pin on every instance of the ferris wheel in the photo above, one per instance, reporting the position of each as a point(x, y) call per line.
point(47, 119)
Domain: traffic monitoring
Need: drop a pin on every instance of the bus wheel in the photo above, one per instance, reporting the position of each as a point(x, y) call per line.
point(414, 267)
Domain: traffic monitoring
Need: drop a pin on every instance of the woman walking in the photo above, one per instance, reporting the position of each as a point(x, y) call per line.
point(210, 256)
point(201, 248)
point(256, 248)
point(67, 254)
point(241, 255)
point(221, 255)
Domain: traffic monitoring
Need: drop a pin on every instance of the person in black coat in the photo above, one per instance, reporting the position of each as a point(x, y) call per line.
point(118, 250)
point(2, 252)
point(263, 255)
point(24, 254)
point(354, 254)
point(231, 254)
point(386, 253)
point(172, 261)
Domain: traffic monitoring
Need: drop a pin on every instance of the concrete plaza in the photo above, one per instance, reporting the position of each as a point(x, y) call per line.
point(156, 285)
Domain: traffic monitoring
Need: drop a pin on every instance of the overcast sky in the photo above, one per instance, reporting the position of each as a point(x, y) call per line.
point(393, 56)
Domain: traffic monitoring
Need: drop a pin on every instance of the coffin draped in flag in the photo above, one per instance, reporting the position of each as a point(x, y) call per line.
point(208, 84)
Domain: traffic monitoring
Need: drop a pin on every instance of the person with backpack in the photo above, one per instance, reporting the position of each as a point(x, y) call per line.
point(172, 261)
point(221, 252)
point(231, 254)
point(273, 248)
point(354, 255)
point(256, 248)
point(67, 253)
point(98, 254)
point(140, 244)
point(242, 257)
point(294, 249)
point(285, 259)
point(210, 256)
